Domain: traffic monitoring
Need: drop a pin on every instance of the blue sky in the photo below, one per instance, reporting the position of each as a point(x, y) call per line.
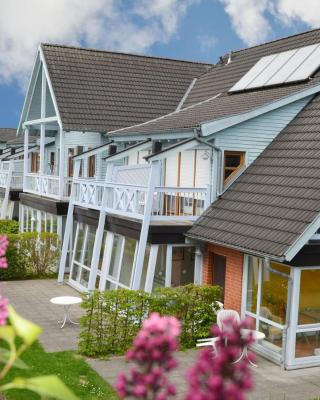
point(187, 29)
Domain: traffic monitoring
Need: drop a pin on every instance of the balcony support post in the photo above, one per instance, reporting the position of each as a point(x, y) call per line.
point(7, 191)
point(61, 163)
point(99, 232)
point(69, 226)
point(154, 179)
point(25, 157)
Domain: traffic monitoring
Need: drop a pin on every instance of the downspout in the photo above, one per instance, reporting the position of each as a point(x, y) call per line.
point(216, 167)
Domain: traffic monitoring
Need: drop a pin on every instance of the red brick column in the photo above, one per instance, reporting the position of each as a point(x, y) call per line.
point(234, 271)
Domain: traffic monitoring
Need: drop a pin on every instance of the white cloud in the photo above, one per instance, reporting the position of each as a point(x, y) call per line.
point(250, 19)
point(207, 43)
point(306, 11)
point(107, 24)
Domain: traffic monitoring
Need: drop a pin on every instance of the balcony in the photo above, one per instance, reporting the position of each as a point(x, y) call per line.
point(11, 174)
point(128, 200)
point(47, 185)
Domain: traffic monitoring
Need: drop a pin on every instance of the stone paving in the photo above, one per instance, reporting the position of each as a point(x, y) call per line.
point(32, 300)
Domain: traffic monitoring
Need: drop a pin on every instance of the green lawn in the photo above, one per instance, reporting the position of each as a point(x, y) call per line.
point(71, 369)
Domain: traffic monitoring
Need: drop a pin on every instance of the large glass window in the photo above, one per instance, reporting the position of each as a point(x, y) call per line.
point(266, 300)
point(127, 261)
point(145, 267)
point(309, 299)
point(160, 269)
point(182, 265)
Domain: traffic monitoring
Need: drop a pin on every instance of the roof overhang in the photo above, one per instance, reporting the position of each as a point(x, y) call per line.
point(92, 152)
point(146, 144)
point(210, 127)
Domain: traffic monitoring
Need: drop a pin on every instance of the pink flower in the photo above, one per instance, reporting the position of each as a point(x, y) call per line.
point(152, 352)
point(220, 376)
point(3, 249)
point(3, 310)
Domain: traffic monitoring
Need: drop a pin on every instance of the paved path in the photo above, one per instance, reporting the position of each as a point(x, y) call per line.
point(32, 300)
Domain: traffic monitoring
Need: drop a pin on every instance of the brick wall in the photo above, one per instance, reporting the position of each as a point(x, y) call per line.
point(234, 270)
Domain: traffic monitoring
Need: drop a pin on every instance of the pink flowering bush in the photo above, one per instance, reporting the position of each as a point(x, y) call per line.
point(152, 351)
point(3, 264)
point(223, 376)
point(220, 375)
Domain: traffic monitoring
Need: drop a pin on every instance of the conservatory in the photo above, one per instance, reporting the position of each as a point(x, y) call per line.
point(283, 302)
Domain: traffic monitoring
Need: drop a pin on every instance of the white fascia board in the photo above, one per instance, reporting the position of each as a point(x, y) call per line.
point(125, 153)
point(30, 88)
point(40, 120)
point(303, 239)
point(208, 128)
point(176, 148)
point(92, 152)
point(55, 104)
point(154, 136)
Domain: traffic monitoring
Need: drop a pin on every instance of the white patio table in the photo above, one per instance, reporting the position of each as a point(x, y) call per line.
point(66, 302)
point(256, 335)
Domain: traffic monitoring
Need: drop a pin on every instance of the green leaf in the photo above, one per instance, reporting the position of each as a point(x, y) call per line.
point(5, 356)
point(46, 386)
point(7, 333)
point(27, 330)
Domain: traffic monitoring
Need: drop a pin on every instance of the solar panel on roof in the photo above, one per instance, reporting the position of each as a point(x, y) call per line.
point(288, 66)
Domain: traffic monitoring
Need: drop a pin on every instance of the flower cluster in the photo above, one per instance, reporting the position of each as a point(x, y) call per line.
point(152, 351)
point(3, 249)
point(225, 374)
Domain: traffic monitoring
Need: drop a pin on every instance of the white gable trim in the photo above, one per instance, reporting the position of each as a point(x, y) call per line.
point(303, 239)
point(208, 128)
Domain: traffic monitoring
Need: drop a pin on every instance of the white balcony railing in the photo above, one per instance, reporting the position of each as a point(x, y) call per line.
point(47, 185)
point(11, 177)
point(130, 200)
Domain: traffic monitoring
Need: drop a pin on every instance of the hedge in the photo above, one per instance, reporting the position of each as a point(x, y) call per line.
point(8, 226)
point(113, 318)
point(31, 255)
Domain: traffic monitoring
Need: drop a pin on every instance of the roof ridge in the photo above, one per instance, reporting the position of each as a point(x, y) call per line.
point(276, 40)
point(127, 54)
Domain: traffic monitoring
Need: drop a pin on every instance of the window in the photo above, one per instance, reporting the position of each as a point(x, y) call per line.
point(233, 161)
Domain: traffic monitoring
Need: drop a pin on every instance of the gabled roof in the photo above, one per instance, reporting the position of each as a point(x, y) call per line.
point(274, 206)
point(102, 91)
point(209, 98)
point(7, 134)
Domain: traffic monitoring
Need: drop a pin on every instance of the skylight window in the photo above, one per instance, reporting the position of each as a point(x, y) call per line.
point(289, 66)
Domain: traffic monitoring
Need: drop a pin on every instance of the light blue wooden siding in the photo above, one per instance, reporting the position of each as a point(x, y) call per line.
point(253, 136)
point(50, 110)
point(35, 104)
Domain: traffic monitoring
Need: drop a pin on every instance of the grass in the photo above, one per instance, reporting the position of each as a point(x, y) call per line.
point(71, 368)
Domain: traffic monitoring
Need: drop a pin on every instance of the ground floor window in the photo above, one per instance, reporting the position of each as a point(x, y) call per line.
point(33, 220)
point(284, 303)
point(267, 299)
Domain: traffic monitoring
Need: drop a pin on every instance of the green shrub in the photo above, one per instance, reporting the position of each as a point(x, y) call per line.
point(113, 318)
point(31, 255)
point(8, 227)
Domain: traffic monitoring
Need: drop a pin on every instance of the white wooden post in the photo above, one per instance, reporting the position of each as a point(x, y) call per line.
point(42, 125)
point(99, 233)
point(5, 202)
point(25, 157)
point(69, 226)
point(153, 181)
point(61, 164)
point(151, 268)
point(42, 143)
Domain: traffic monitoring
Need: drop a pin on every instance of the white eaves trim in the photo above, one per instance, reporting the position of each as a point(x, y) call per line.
point(180, 146)
point(186, 94)
point(124, 153)
point(303, 239)
point(208, 128)
point(92, 152)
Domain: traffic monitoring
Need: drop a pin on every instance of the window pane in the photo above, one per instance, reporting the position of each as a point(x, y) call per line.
point(308, 344)
point(79, 244)
point(309, 303)
point(103, 246)
point(127, 261)
point(274, 295)
point(252, 289)
point(182, 266)
point(160, 270)
point(273, 339)
point(88, 251)
point(115, 256)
